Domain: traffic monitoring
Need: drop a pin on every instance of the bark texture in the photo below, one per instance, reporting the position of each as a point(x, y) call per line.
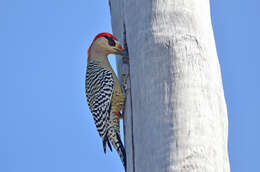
point(176, 117)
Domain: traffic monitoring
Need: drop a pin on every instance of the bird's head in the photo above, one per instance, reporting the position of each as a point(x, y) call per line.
point(104, 44)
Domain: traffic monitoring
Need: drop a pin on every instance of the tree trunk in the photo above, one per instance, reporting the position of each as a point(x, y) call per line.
point(176, 117)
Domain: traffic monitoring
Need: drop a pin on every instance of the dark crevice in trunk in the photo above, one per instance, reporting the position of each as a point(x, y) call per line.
point(125, 60)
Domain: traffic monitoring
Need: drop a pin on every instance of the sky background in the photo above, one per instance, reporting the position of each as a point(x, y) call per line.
point(45, 124)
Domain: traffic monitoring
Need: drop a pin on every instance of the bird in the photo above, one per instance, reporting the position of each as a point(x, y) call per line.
point(105, 96)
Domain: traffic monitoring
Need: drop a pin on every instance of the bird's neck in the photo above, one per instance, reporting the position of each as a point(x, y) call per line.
point(96, 54)
point(99, 57)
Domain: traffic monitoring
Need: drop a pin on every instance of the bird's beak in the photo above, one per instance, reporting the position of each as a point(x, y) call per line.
point(120, 51)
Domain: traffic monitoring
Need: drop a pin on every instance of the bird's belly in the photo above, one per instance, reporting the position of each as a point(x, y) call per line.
point(117, 100)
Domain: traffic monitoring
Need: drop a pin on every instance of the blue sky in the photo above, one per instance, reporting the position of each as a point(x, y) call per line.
point(45, 124)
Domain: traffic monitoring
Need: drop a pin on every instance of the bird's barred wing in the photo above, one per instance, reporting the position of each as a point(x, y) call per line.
point(99, 89)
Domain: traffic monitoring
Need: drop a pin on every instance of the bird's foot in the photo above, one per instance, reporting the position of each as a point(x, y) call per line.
point(124, 82)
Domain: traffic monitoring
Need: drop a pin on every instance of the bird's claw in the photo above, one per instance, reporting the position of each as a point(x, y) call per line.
point(124, 82)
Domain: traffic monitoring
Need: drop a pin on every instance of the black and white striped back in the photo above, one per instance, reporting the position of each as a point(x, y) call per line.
point(99, 91)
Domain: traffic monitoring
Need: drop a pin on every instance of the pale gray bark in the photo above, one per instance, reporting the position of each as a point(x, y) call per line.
point(176, 117)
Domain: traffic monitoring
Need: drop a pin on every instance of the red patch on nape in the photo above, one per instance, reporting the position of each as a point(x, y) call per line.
point(98, 36)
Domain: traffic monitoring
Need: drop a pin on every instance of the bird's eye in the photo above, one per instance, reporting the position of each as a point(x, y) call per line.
point(111, 42)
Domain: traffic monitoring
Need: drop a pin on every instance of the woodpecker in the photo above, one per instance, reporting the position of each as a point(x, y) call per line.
point(104, 94)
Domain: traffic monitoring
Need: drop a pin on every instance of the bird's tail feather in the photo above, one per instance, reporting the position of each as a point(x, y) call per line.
point(115, 139)
point(105, 143)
